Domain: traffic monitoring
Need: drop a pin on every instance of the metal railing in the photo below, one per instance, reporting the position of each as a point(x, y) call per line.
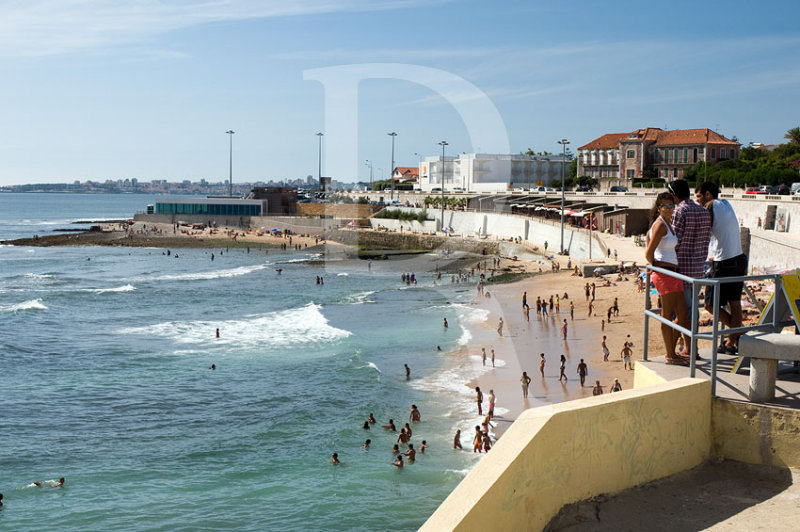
point(693, 333)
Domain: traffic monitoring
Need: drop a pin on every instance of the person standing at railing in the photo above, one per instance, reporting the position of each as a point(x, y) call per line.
point(691, 223)
point(728, 260)
point(661, 252)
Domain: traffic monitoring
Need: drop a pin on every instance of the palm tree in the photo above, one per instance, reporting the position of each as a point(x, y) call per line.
point(793, 135)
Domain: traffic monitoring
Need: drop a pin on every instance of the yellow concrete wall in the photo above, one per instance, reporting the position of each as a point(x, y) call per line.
point(756, 434)
point(644, 376)
point(559, 454)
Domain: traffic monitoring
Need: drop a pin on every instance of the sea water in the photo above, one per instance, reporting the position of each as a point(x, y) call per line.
point(105, 379)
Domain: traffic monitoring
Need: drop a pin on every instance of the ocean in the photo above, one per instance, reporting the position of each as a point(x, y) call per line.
point(105, 380)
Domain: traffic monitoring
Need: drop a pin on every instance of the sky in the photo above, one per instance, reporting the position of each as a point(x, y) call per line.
point(146, 89)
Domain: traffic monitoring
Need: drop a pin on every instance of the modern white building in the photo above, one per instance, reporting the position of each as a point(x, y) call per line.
point(488, 172)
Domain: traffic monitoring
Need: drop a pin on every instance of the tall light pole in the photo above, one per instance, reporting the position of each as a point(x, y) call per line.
point(443, 144)
point(391, 170)
point(563, 143)
point(369, 163)
point(230, 133)
point(319, 159)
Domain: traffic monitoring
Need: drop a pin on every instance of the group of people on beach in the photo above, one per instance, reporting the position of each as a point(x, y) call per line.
point(582, 370)
point(685, 234)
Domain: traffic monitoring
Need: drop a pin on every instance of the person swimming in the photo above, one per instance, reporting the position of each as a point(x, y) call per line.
point(371, 418)
point(58, 484)
point(335, 459)
point(366, 425)
point(399, 462)
point(366, 444)
point(423, 446)
point(390, 426)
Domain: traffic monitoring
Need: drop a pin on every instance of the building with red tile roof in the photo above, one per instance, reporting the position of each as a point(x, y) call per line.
point(618, 158)
point(406, 174)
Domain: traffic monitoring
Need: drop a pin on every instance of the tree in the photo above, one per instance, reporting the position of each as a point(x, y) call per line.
point(793, 135)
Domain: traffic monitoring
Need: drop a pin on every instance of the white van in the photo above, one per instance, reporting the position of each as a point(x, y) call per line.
point(795, 187)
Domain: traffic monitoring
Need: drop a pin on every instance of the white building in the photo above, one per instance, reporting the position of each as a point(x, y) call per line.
point(487, 172)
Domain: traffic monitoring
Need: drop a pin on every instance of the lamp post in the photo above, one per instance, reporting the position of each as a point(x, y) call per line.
point(319, 159)
point(391, 170)
point(369, 163)
point(230, 133)
point(563, 143)
point(443, 144)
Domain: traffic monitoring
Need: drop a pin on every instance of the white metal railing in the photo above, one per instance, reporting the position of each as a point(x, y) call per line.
point(693, 333)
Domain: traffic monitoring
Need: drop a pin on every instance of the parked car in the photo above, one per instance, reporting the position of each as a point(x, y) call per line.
point(584, 188)
point(755, 190)
point(544, 189)
point(782, 190)
point(618, 188)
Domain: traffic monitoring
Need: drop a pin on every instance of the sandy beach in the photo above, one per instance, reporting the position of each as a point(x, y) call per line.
point(524, 339)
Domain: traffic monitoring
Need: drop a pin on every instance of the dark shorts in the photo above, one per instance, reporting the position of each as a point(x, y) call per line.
point(733, 267)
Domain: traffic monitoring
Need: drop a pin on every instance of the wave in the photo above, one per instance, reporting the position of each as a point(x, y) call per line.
point(31, 304)
point(358, 298)
point(39, 276)
point(309, 257)
point(293, 327)
point(373, 366)
point(343, 274)
point(208, 275)
point(126, 288)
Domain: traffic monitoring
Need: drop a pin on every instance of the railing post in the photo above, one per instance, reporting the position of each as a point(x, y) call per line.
point(646, 317)
point(714, 340)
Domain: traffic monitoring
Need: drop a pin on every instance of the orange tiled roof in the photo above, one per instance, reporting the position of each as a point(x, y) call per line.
point(407, 170)
point(609, 140)
point(679, 137)
point(659, 137)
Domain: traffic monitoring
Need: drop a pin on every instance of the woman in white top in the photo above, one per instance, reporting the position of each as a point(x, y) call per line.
point(660, 252)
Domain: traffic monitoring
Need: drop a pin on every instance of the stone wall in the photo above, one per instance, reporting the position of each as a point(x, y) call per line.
point(336, 210)
point(405, 240)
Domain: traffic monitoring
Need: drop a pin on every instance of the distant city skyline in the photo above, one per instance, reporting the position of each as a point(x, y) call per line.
point(97, 90)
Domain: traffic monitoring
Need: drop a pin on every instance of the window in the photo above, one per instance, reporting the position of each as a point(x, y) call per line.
point(722, 153)
point(713, 153)
point(629, 174)
point(666, 155)
point(675, 155)
point(675, 173)
point(631, 154)
point(694, 160)
point(686, 155)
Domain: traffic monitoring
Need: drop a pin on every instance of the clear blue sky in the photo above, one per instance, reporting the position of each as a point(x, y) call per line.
point(99, 90)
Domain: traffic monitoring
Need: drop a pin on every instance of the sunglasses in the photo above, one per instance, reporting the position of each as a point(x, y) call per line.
point(667, 206)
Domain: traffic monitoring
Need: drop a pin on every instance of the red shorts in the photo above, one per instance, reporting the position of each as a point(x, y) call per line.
point(666, 284)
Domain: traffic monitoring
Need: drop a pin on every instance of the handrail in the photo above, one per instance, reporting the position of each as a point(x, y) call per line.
point(693, 333)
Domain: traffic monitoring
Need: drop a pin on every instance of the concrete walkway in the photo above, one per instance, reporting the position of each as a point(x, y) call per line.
point(729, 496)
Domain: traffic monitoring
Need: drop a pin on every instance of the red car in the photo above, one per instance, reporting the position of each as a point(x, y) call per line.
point(756, 190)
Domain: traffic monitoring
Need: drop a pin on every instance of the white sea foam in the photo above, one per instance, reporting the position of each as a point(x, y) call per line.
point(343, 274)
point(126, 288)
point(465, 337)
point(31, 304)
point(293, 327)
point(374, 366)
point(207, 275)
point(39, 276)
point(358, 298)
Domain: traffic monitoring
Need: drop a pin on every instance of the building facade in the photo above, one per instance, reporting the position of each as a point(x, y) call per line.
point(485, 172)
point(618, 158)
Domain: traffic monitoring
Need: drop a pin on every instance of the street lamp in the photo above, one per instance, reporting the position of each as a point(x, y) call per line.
point(443, 144)
point(319, 159)
point(230, 133)
point(369, 163)
point(391, 170)
point(563, 143)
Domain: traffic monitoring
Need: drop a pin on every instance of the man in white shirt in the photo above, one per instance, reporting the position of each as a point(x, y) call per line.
point(725, 252)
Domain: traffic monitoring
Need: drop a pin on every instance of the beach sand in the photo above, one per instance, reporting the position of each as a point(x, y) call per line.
point(524, 340)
